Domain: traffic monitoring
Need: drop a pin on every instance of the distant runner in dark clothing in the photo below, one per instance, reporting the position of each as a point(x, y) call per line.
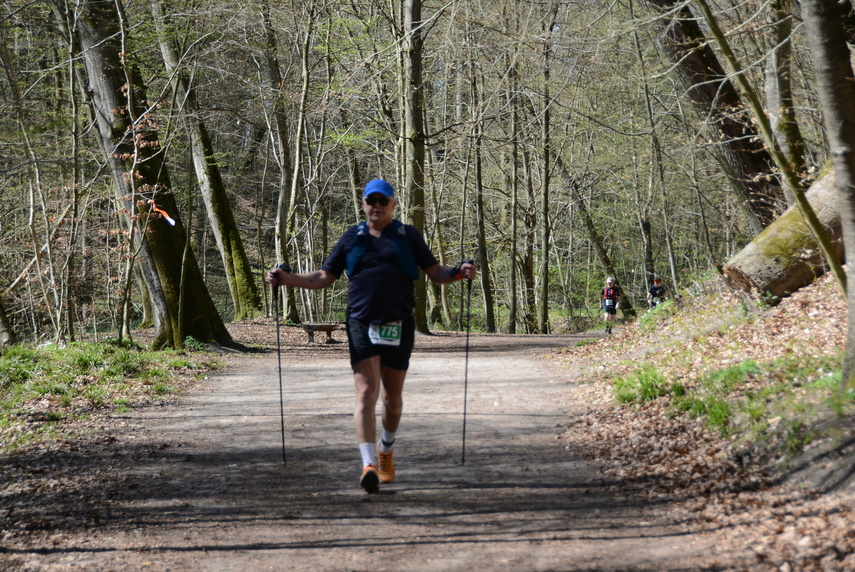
point(656, 294)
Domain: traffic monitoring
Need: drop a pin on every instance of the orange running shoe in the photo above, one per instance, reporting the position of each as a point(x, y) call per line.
point(369, 481)
point(386, 469)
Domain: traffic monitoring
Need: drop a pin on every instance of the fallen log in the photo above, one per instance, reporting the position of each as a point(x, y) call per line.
point(785, 256)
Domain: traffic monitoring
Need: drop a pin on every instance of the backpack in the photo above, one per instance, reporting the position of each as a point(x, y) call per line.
point(400, 244)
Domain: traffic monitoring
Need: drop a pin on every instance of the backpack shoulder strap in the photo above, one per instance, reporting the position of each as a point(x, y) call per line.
point(357, 250)
point(404, 251)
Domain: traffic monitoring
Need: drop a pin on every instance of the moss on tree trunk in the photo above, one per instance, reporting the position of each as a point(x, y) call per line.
point(785, 256)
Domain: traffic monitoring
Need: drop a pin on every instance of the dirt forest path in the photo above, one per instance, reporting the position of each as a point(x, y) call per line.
point(200, 485)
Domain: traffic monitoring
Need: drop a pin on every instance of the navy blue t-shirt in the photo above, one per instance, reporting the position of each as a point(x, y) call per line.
point(379, 291)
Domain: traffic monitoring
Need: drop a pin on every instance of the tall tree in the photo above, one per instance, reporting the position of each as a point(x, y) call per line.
point(740, 152)
point(529, 216)
point(787, 171)
point(546, 167)
point(413, 137)
point(281, 143)
point(513, 184)
point(129, 138)
point(242, 286)
point(480, 225)
point(656, 178)
point(475, 157)
point(836, 89)
point(779, 89)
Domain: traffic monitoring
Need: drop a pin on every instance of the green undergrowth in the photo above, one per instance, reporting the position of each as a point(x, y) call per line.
point(651, 319)
point(706, 360)
point(49, 392)
point(781, 401)
point(642, 385)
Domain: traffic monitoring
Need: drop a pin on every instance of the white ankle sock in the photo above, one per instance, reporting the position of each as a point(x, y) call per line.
point(367, 452)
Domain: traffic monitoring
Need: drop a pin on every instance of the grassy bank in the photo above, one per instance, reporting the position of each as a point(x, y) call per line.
point(52, 393)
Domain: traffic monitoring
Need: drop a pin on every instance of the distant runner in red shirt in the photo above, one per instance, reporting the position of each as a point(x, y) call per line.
point(610, 299)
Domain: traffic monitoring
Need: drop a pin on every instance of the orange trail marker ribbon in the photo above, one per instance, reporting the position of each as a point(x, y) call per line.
point(155, 208)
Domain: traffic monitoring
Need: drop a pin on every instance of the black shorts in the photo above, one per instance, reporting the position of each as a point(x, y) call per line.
point(609, 309)
point(396, 357)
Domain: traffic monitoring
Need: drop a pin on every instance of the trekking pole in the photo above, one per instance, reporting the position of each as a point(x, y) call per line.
point(286, 268)
point(279, 360)
point(466, 366)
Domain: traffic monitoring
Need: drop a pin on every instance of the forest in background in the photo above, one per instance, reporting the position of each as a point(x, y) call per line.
point(555, 143)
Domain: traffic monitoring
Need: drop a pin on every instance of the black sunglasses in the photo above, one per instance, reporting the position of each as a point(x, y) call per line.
point(372, 200)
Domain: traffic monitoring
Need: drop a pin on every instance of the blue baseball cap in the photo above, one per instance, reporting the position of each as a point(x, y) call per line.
point(379, 186)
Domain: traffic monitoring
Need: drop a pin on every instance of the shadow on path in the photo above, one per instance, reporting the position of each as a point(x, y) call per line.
point(202, 486)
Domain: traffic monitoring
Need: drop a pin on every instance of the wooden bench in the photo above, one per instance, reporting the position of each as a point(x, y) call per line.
point(328, 328)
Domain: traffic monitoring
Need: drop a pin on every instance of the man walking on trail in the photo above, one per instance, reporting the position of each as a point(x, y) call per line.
point(610, 299)
point(382, 257)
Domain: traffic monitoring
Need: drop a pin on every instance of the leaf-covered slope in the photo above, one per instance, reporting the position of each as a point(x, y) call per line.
point(731, 413)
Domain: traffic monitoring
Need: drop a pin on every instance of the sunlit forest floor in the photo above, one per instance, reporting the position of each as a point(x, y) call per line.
point(734, 407)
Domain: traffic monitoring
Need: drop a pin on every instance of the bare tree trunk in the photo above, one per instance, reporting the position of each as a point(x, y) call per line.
point(141, 179)
point(465, 149)
point(644, 227)
point(513, 304)
point(483, 258)
point(353, 174)
point(412, 85)
point(546, 166)
point(282, 150)
point(300, 155)
point(483, 255)
point(246, 300)
point(71, 288)
point(439, 241)
point(779, 93)
point(833, 68)
point(527, 263)
point(741, 155)
point(147, 311)
point(657, 177)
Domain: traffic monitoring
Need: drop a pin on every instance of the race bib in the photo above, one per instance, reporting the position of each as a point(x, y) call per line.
point(385, 334)
point(610, 302)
